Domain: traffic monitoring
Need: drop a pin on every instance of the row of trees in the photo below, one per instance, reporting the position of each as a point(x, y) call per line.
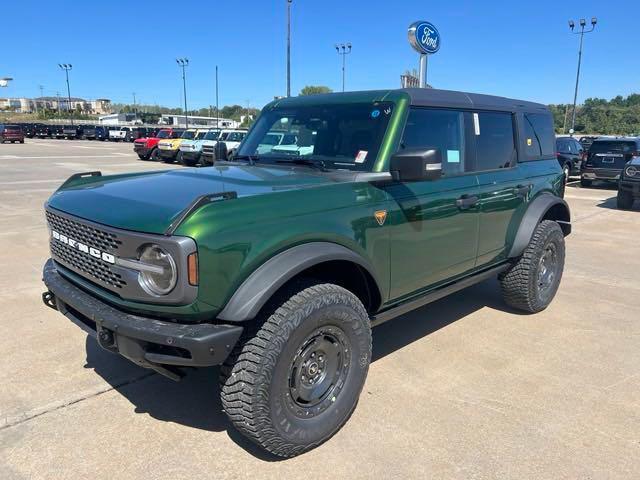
point(618, 116)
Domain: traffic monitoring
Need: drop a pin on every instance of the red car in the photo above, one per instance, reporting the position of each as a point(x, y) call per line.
point(11, 133)
point(147, 148)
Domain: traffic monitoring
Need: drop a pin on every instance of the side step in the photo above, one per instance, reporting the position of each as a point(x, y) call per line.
point(436, 294)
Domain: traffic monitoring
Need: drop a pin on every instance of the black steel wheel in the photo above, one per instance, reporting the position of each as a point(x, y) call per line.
point(533, 280)
point(294, 383)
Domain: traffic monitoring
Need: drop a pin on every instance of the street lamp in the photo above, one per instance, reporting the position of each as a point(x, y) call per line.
point(289, 48)
point(344, 50)
point(183, 63)
point(582, 31)
point(66, 67)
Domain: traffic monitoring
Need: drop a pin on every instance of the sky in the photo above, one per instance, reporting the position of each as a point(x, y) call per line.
point(522, 49)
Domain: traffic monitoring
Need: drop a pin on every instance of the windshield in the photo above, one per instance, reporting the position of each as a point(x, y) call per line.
point(163, 134)
point(212, 135)
point(342, 136)
point(200, 135)
point(188, 134)
point(235, 136)
point(618, 147)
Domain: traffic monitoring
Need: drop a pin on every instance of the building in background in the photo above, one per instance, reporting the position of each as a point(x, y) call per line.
point(119, 119)
point(179, 121)
point(31, 105)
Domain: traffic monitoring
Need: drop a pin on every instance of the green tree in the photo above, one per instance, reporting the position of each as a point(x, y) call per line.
point(315, 89)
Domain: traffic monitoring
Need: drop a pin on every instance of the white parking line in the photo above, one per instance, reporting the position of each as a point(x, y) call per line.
point(113, 155)
point(26, 182)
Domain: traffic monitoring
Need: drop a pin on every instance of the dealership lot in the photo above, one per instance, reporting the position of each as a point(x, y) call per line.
point(463, 388)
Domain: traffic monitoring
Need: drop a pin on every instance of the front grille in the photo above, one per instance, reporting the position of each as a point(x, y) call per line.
point(207, 149)
point(83, 233)
point(85, 264)
point(80, 262)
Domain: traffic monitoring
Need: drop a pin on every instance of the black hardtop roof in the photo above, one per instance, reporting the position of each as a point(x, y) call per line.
point(617, 139)
point(433, 97)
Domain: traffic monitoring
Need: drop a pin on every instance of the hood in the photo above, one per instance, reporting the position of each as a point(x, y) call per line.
point(149, 202)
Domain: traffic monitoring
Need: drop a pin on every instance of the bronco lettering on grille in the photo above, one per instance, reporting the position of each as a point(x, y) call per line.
point(94, 252)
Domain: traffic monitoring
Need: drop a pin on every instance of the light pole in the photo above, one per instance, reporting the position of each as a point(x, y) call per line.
point(344, 50)
point(66, 67)
point(582, 31)
point(135, 110)
point(217, 106)
point(289, 48)
point(183, 63)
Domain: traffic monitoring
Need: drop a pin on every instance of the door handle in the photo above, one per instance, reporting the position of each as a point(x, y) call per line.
point(465, 202)
point(522, 190)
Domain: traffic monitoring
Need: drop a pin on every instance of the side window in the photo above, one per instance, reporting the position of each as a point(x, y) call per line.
point(538, 135)
point(561, 145)
point(442, 129)
point(495, 147)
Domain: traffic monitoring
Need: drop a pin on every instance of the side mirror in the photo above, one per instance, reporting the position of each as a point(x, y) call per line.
point(415, 164)
point(221, 151)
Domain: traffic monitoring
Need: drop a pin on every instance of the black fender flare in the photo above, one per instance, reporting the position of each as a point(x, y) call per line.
point(536, 211)
point(263, 282)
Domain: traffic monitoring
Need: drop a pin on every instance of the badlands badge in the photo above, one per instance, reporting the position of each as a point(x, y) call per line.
point(381, 216)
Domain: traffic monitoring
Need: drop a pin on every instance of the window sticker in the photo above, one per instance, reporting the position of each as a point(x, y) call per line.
point(361, 156)
point(476, 123)
point(453, 156)
point(375, 113)
point(529, 142)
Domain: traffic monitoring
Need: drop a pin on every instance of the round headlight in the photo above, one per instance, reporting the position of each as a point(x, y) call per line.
point(631, 171)
point(160, 280)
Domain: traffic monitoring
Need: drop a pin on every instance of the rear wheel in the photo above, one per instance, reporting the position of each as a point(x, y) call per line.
point(624, 200)
point(21, 141)
point(586, 183)
point(532, 282)
point(294, 383)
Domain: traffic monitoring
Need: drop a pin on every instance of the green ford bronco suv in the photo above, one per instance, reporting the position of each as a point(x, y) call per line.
point(276, 263)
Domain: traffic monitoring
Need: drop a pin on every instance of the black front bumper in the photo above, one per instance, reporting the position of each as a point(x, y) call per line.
point(148, 342)
point(167, 154)
point(190, 156)
point(141, 149)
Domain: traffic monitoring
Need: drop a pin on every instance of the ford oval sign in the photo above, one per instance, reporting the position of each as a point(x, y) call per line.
point(424, 37)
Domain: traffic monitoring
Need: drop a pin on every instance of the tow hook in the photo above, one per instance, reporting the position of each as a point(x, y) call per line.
point(49, 299)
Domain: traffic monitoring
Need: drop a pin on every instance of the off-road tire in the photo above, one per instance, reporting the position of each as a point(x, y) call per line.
point(155, 155)
point(586, 183)
point(143, 157)
point(256, 383)
point(624, 200)
point(566, 170)
point(520, 283)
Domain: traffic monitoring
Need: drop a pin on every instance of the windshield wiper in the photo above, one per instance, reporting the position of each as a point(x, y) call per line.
point(319, 164)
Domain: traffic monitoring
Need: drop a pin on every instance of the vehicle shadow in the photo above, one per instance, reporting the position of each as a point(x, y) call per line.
point(194, 402)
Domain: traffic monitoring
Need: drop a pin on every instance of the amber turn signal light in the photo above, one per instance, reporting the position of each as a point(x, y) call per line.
point(192, 264)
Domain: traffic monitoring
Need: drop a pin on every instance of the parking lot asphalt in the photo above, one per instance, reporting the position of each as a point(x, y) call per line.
point(463, 388)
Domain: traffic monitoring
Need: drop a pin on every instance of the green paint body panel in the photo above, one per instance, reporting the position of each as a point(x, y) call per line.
point(426, 239)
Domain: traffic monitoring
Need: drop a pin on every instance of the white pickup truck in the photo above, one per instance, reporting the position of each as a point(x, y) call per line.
point(117, 134)
point(231, 138)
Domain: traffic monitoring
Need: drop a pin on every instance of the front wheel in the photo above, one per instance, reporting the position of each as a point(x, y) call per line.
point(566, 170)
point(155, 155)
point(297, 380)
point(532, 282)
point(624, 200)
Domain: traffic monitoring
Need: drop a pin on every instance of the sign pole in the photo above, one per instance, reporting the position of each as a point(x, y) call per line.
point(422, 75)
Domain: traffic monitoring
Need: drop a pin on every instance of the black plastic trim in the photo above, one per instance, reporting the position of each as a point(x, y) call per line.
point(436, 294)
point(195, 205)
point(254, 292)
point(207, 344)
point(76, 176)
point(535, 212)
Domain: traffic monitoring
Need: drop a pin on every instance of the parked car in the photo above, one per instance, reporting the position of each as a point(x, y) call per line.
point(275, 139)
point(116, 133)
point(168, 148)
point(147, 148)
point(586, 141)
point(607, 157)
point(73, 131)
point(30, 129)
point(58, 131)
point(231, 139)
point(277, 266)
point(89, 132)
point(45, 131)
point(11, 133)
point(629, 185)
point(569, 153)
point(190, 150)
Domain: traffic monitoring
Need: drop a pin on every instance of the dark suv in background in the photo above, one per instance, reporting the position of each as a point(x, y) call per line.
point(607, 157)
point(11, 133)
point(569, 153)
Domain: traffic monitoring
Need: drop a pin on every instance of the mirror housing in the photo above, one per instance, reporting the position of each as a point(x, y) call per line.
point(416, 164)
point(221, 152)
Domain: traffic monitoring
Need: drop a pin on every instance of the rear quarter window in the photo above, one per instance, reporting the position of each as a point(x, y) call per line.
point(539, 136)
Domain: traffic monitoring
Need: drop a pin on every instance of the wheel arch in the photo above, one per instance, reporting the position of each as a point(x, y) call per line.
point(544, 207)
point(324, 261)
